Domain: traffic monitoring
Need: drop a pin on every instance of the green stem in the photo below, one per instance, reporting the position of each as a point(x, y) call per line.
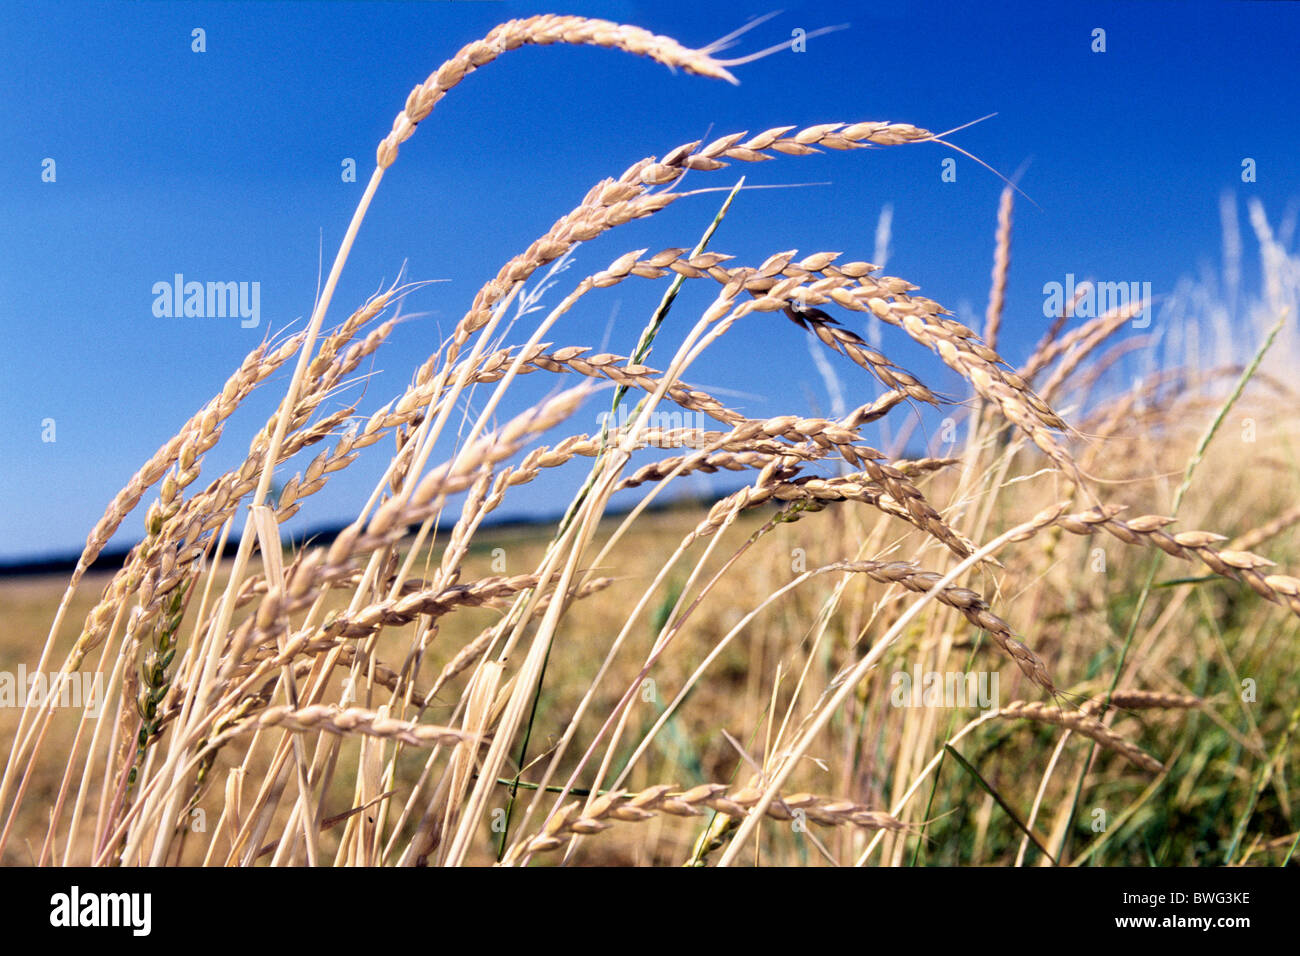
point(639, 353)
point(1246, 375)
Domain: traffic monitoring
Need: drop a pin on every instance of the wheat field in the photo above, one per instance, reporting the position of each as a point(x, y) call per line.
point(1099, 574)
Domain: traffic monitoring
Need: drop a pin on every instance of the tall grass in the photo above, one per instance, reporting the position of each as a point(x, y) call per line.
point(718, 687)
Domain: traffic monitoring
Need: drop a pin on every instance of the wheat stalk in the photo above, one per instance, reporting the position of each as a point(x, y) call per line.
point(638, 807)
point(1081, 723)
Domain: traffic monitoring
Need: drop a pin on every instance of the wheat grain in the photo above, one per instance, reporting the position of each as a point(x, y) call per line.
point(638, 807)
point(1001, 267)
point(1081, 723)
point(1132, 699)
point(1188, 545)
point(351, 720)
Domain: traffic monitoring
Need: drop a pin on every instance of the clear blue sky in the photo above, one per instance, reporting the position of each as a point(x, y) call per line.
point(225, 165)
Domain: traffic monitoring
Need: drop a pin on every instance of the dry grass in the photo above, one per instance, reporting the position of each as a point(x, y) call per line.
point(393, 697)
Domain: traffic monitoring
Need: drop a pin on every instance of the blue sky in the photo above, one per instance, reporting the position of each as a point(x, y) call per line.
point(225, 166)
